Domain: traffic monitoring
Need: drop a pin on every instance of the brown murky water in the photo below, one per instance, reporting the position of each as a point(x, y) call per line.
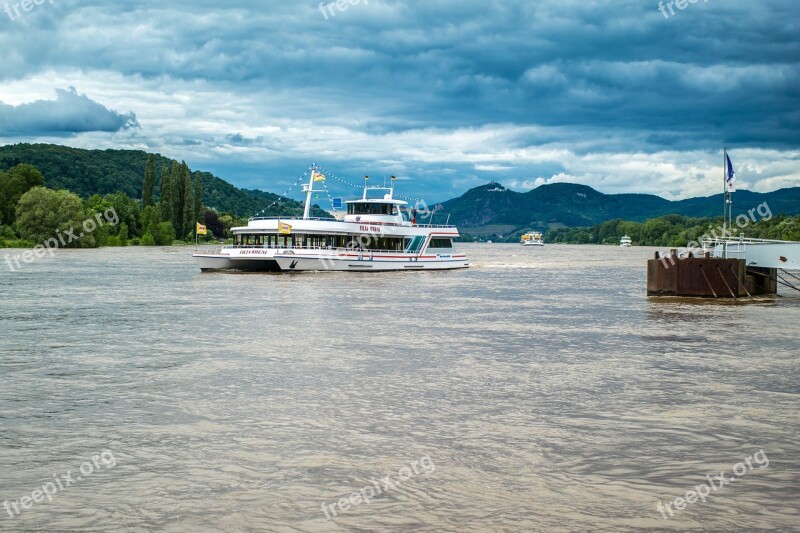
point(539, 390)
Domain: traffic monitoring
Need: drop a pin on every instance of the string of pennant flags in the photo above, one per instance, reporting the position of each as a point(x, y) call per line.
point(330, 198)
point(355, 186)
point(323, 174)
point(283, 196)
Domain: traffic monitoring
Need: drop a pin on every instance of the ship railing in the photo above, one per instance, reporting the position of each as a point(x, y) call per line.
point(371, 223)
point(734, 247)
point(432, 226)
point(737, 240)
point(317, 248)
point(329, 219)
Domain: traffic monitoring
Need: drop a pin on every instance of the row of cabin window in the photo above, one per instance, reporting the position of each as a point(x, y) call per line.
point(371, 209)
point(332, 241)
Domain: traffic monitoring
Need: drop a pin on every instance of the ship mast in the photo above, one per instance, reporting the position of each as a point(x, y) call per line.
point(724, 188)
point(309, 190)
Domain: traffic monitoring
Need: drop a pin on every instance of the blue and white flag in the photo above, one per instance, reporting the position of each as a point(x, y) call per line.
point(731, 175)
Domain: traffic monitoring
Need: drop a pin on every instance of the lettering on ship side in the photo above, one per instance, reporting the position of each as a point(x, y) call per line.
point(254, 252)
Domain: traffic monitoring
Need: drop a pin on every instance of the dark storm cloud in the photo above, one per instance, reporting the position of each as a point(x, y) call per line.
point(69, 113)
point(610, 76)
point(713, 69)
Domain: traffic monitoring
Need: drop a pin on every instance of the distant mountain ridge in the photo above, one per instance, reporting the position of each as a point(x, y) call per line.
point(88, 172)
point(573, 205)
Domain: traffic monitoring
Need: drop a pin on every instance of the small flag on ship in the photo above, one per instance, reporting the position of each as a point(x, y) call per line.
point(284, 228)
point(731, 175)
point(201, 229)
point(318, 176)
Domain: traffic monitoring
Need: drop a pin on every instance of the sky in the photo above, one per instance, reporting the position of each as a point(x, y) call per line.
point(623, 95)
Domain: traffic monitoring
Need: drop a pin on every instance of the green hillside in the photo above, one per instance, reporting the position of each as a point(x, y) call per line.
point(88, 172)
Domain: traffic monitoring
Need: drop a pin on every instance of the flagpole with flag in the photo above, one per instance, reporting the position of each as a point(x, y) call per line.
point(199, 229)
point(724, 187)
point(730, 179)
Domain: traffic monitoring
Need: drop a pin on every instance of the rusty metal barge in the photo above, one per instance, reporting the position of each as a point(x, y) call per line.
point(739, 268)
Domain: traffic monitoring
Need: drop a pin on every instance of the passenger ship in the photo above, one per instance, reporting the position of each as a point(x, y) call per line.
point(375, 234)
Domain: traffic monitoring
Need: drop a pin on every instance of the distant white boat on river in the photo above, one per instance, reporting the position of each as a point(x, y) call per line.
point(533, 238)
point(625, 242)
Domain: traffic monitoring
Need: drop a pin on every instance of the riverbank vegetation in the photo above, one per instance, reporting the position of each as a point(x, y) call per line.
point(674, 231)
point(30, 213)
point(668, 231)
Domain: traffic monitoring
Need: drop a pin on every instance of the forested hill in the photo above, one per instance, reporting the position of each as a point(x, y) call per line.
point(88, 172)
point(568, 204)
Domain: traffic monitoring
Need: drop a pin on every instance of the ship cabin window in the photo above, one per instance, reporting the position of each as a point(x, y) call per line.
point(441, 243)
point(248, 240)
point(326, 241)
point(369, 208)
point(366, 242)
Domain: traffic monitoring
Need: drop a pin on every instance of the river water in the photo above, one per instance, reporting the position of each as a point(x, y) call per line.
point(539, 390)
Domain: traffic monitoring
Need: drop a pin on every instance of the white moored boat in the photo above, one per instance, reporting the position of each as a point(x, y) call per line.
point(533, 238)
point(375, 234)
point(625, 242)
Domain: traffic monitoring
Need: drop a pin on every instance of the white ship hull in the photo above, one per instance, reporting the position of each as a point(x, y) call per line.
point(367, 264)
point(209, 262)
point(266, 260)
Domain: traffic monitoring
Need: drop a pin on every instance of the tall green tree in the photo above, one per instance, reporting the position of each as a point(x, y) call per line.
point(165, 196)
point(156, 231)
point(13, 184)
point(149, 182)
point(187, 223)
point(199, 211)
point(164, 234)
point(176, 184)
point(151, 217)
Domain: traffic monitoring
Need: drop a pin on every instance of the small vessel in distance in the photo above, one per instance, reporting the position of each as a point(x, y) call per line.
point(532, 238)
point(625, 242)
point(375, 234)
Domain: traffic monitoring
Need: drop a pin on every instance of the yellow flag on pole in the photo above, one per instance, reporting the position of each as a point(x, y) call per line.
point(201, 229)
point(318, 176)
point(284, 228)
